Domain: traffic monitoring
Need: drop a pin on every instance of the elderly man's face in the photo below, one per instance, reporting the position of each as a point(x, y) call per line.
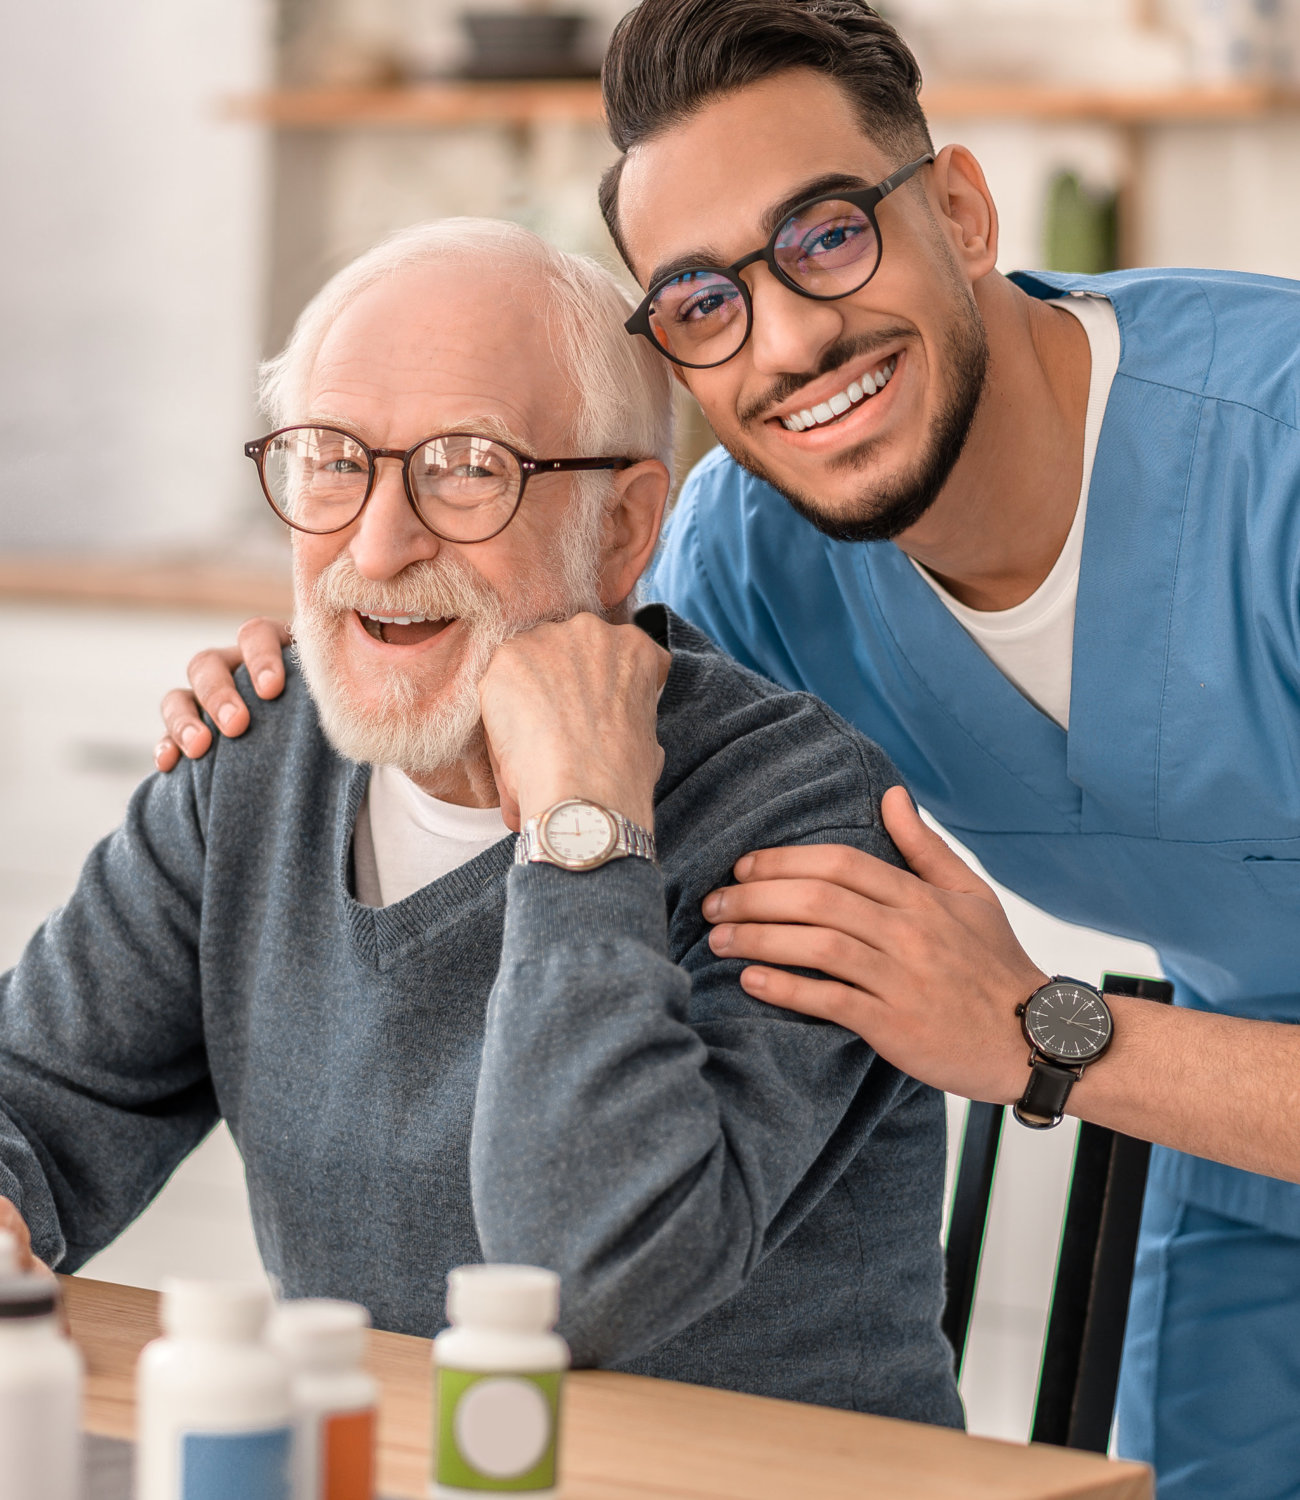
point(435, 348)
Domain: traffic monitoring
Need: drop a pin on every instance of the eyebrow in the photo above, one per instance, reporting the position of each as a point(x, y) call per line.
point(487, 425)
point(706, 257)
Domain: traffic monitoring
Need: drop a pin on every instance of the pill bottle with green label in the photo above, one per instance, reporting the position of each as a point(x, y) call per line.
point(497, 1376)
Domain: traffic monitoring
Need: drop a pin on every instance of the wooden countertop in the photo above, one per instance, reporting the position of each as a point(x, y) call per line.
point(628, 1438)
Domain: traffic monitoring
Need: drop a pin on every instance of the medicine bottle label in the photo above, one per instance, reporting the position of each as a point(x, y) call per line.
point(236, 1465)
point(348, 1456)
point(496, 1433)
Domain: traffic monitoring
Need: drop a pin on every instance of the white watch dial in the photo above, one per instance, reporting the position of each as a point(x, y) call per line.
point(578, 833)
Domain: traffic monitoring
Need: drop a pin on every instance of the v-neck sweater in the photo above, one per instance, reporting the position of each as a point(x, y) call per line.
point(512, 1064)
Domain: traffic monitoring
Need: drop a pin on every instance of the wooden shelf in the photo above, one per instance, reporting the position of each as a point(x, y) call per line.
point(150, 583)
point(453, 103)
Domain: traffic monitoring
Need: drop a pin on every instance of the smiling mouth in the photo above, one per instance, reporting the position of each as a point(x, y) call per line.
point(842, 402)
point(401, 630)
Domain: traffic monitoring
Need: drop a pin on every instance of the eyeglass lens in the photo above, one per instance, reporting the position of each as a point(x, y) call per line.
point(828, 249)
point(465, 487)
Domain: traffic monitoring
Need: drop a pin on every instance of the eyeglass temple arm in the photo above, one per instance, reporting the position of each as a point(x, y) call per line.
point(903, 173)
point(552, 465)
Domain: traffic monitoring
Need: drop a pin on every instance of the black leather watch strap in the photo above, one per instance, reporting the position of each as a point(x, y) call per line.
point(1043, 1102)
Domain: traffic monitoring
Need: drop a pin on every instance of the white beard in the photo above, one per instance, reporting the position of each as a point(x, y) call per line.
point(398, 722)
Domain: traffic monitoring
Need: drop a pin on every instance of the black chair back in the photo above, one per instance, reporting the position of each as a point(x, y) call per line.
point(1079, 1374)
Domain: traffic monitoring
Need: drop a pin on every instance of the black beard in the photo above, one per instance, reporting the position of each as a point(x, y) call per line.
point(886, 511)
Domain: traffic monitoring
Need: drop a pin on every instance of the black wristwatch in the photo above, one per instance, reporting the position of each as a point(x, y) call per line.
point(1067, 1025)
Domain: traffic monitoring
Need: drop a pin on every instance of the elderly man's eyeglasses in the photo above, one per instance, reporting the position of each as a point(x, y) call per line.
point(461, 486)
point(827, 248)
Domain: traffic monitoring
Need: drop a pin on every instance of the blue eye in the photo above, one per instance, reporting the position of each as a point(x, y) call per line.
point(696, 297)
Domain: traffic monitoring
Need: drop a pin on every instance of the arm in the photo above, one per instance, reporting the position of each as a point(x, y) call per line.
point(103, 1077)
point(926, 969)
point(212, 688)
point(641, 1125)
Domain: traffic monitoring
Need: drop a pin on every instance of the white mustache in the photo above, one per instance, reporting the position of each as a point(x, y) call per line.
point(442, 588)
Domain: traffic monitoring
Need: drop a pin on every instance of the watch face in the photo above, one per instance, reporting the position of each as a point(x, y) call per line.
point(578, 834)
point(1068, 1021)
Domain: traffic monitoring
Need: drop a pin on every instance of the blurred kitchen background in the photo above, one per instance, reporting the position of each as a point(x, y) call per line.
point(180, 178)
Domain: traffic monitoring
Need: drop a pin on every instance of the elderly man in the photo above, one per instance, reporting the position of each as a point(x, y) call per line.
point(432, 1045)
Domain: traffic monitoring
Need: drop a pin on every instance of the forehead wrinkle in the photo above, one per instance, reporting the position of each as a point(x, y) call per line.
point(486, 424)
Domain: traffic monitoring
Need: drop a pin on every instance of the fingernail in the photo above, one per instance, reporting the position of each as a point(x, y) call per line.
point(744, 865)
point(754, 980)
point(189, 737)
point(265, 680)
point(720, 937)
point(161, 749)
point(227, 715)
point(713, 905)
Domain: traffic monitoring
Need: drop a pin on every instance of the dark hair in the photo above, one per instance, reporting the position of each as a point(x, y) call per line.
point(668, 58)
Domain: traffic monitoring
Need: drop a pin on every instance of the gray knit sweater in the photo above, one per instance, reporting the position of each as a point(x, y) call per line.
point(516, 1064)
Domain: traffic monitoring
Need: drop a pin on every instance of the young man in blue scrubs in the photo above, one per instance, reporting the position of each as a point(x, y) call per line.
point(1039, 536)
point(1082, 647)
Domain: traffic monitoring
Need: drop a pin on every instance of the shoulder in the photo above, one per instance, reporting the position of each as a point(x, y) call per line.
point(749, 763)
point(1221, 336)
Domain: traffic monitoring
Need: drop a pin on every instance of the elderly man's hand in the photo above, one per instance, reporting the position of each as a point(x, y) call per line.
point(12, 1221)
point(923, 966)
point(569, 711)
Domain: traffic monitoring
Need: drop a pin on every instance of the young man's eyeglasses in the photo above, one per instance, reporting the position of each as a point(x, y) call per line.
point(461, 486)
point(826, 248)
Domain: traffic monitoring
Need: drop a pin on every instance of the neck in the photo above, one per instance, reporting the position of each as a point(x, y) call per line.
point(1002, 518)
point(467, 783)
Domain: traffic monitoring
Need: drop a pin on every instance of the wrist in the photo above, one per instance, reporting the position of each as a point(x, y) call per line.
point(634, 804)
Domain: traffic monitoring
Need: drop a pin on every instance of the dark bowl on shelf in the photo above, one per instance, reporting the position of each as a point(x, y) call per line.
point(513, 44)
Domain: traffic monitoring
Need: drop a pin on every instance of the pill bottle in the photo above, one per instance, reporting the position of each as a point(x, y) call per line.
point(334, 1399)
point(40, 1388)
point(497, 1376)
point(214, 1414)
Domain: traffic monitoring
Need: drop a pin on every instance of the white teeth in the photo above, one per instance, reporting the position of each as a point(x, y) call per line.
point(838, 404)
point(393, 619)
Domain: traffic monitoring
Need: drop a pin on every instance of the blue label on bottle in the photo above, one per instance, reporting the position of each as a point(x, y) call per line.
point(235, 1465)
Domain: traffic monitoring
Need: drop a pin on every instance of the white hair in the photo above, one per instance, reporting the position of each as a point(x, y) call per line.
point(624, 387)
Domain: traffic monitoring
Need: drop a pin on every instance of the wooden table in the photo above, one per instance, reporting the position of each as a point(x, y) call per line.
point(629, 1438)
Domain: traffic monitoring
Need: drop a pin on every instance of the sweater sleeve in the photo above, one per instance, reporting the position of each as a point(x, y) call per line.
point(642, 1126)
point(104, 1083)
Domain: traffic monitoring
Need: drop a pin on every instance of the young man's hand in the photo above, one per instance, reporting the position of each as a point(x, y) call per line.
point(569, 710)
point(923, 966)
point(212, 682)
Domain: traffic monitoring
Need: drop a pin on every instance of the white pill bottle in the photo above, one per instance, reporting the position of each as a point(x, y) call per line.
point(498, 1372)
point(334, 1399)
point(213, 1403)
point(40, 1389)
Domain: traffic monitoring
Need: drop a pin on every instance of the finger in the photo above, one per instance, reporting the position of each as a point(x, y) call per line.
point(827, 998)
point(166, 754)
point(184, 727)
point(834, 954)
point(261, 644)
point(814, 902)
point(836, 864)
point(509, 804)
point(928, 854)
point(212, 676)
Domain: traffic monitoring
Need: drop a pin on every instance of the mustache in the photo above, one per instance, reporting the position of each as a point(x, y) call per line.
point(439, 588)
point(838, 354)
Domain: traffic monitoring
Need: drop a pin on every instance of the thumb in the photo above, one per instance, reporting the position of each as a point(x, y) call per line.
point(928, 855)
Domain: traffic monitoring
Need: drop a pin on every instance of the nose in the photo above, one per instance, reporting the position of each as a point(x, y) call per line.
point(388, 536)
point(790, 332)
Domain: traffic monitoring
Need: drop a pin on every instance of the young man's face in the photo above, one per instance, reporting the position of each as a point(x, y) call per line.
point(702, 189)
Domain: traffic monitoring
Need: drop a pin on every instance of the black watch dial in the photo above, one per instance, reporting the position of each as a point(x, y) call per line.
point(1067, 1021)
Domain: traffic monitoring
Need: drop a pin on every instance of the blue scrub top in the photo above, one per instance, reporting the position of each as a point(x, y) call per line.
point(1170, 812)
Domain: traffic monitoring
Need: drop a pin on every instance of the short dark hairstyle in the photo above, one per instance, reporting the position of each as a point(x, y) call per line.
point(668, 58)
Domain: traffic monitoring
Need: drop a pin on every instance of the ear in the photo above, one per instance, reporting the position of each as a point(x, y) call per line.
point(967, 211)
point(632, 524)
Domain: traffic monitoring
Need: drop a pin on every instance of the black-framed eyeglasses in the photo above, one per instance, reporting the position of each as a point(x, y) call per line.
point(828, 247)
point(462, 486)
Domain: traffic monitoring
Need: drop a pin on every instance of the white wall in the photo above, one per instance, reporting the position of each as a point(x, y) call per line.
point(130, 270)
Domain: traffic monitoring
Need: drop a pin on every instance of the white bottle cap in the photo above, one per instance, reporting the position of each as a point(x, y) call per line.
point(523, 1298)
point(231, 1311)
point(8, 1254)
point(319, 1333)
